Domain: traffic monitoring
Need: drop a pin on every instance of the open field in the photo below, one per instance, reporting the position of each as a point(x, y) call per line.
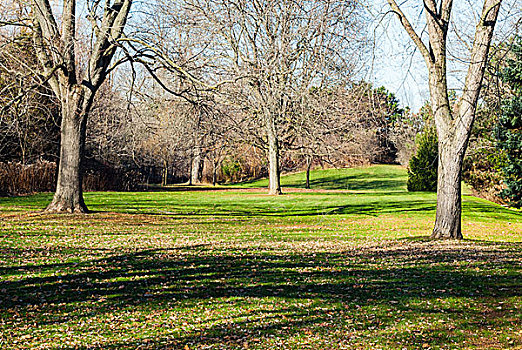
point(345, 267)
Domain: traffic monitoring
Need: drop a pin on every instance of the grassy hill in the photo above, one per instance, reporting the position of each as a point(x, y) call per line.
point(375, 178)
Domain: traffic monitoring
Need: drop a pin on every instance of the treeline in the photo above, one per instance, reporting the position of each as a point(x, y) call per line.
point(286, 94)
point(154, 139)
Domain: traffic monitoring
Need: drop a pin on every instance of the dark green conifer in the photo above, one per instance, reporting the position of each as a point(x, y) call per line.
point(508, 131)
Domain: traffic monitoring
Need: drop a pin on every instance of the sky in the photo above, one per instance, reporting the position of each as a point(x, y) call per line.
point(397, 64)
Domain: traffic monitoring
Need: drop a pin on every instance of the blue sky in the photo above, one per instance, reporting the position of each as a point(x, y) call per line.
point(399, 67)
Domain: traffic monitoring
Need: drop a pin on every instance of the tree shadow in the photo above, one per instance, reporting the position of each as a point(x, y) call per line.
point(339, 287)
point(387, 183)
point(249, 209)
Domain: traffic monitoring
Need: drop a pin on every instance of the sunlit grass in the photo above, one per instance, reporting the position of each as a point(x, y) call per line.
point(236, 268)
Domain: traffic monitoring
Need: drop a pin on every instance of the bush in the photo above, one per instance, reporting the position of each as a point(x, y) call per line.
point(509, 140)
point(482, 168)
point(20, 179)
point(105, 178)
point(422, 171)
point(231, 169)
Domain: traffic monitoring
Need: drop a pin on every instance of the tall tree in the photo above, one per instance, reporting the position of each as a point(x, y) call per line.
point(453, 125)
point(272, 51)
point(74, 82)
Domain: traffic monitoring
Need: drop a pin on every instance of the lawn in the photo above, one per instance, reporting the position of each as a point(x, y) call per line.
point(346, 265)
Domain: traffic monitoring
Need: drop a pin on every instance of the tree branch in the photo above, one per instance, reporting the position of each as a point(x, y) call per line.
point(411, 32)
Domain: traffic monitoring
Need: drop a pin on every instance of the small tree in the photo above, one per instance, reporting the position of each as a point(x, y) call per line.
point(422, 172)
point(509, 129)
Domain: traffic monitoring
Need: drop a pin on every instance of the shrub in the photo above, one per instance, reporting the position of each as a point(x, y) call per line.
point(231, 169)
point(21, 179)
point(422, 171)
point(17, 178)
point(482, 168)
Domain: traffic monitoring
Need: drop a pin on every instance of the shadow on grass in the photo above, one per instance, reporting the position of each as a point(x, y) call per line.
point(387, 183)
point(371, 204)
point(361, 179)
point(356, 289)
point(289, 208)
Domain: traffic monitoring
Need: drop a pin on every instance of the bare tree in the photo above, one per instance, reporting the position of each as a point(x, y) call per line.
point(345, 126)
point(272, 50)
point(28, 109)
point(74, 82)
point(453, 125)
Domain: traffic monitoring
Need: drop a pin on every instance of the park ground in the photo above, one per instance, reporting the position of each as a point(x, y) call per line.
point(346, 265)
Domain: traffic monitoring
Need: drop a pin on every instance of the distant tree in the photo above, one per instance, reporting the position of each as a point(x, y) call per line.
point(385, 113)
point(29, 111)
point(344, 126)
point(272, 52)
point(404, 133)
point(509, 128)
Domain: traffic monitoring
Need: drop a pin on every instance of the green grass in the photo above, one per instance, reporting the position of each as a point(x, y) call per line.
point(235, 268)
point(365, 179)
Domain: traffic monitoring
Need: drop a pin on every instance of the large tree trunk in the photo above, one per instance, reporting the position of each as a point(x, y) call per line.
point(68, 197)
point(56, 51)
point(453, 123)
point(448, 219)
point(274, 185)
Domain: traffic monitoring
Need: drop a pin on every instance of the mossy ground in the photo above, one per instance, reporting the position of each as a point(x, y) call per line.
point(344, 266)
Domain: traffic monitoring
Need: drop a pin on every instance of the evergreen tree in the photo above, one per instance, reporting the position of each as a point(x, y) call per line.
point(422, 172)
point(509, 128)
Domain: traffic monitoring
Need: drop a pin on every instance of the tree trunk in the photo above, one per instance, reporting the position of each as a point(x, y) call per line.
point(214, 172)
point(196, 170)
point(68, 197)
point(274, 185)
point(453, 124)
point(448, 219)
point(165, 174)
point(308, 167)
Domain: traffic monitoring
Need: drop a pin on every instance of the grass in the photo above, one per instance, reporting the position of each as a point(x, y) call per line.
point(234, 268)
point(365, 179)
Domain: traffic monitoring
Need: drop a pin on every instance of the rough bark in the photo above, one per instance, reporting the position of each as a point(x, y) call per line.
point(56, 50)
point(453, 125)
point(448, 217)
point(274, 185)
point(68, 197)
